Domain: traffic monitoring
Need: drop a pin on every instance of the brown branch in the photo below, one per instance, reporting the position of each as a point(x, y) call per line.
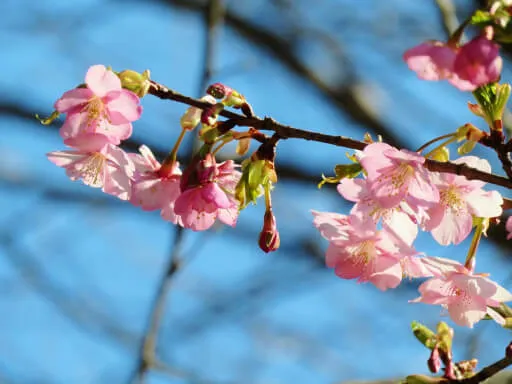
point(486, 372)
point(148, 358)
point(288, 132)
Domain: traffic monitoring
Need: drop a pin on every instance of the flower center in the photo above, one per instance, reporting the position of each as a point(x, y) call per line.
point(401, 175)
point(450, 197)
point(363, 252)
point(91, 170)
point(95, 109)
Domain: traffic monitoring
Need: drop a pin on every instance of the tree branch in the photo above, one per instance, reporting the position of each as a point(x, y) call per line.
point(288, 132)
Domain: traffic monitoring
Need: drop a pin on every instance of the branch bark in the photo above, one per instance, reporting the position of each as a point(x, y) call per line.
point(288, 132)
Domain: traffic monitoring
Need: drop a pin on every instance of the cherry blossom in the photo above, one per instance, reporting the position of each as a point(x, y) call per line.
point(97, 163)
point(207, 194)
point(478, 62)
point(357, 190)
point(357, 249)
point(155, 187)
point(396, 176)
point(102, 106)
point(464, 294)
point(451, 220)
point(432, 60)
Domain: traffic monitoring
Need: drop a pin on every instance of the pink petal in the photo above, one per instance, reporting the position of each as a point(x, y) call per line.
point(468, 311)
point(352, 189)
point(102, 81)
point(88, 142)
point(212, 193)
point(73, 100)
point(123, 107)
point(228, 216)
point(332, 226)
point(65, 158)
point(117, 182)
point(485, 203)
point(387, 273)
point(455, 226)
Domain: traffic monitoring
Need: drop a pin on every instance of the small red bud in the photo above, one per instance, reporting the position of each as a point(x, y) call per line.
point(269, 240)
point(434, 361)
point(219, 90)
point(508, 351)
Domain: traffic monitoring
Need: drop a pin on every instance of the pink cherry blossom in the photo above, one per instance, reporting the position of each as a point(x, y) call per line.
point(155, 187)
point(508, 227)
point(396, 176)
point(103, 103)
point(208, 194)
point(451, 220)
point(432, 60)
point(464, 294)
point(357, 249)
point(97, 163)
point(396, 219)
point(478, 62)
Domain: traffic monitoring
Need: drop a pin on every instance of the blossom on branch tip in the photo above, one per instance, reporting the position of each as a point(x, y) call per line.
point(464, 294)
point(451, 220)
point(99, 106)
point(98, 163)
point(478, 62)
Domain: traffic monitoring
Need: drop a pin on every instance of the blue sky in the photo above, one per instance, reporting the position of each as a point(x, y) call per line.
point(78, 269)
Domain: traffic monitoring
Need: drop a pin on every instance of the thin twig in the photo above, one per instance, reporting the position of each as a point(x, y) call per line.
point(288, 132)
point(148, 358)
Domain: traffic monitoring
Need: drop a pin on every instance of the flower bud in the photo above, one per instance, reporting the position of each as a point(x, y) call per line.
point(424, 335)
point(192, 117)
point(440, 154)
point(508, 351)
point(136, 82)
point(255, 174)
point(219, 90)
point(434, 361)
point(269, 240)
point(242, 146)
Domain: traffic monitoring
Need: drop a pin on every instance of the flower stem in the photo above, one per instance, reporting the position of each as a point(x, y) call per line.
point(433, 141)
point(171, 157)
point(475, 241)
point(452, 139)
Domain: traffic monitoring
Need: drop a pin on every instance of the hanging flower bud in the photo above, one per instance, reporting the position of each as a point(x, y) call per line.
point(269, 240)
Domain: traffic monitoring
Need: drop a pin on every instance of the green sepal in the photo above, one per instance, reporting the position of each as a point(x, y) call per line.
point(425, 335)
point(48, 120)
point(342, 171)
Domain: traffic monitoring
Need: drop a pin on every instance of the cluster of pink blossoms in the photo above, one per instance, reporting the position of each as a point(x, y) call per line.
point(98, 119)
point(467, 67)
point(399, 196)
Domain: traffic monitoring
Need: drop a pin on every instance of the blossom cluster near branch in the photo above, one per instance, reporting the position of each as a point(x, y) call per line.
point(395, 192)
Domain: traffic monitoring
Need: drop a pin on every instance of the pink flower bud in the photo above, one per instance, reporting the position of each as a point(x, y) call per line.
point(219, 90)
point(434, 362)
point(478, 62)
point(269, 240)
